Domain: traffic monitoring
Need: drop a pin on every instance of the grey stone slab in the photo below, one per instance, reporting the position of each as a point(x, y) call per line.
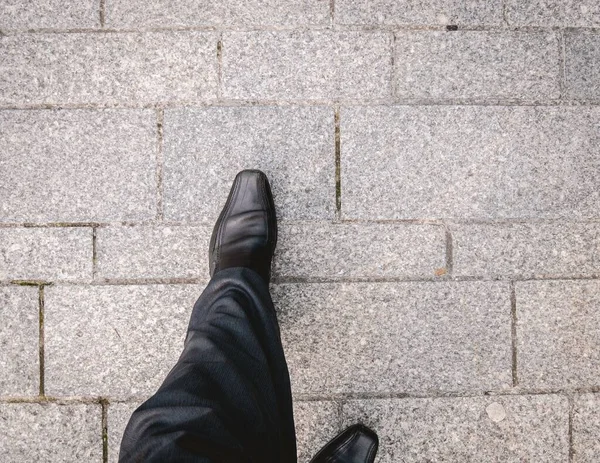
point(539, 250)
point(50, 432)
point(586, 428)
point(322, 250)
point(544, 13)
point(307, 65)
point(200, 13)
point(77, 166)
point(418, 12)
point(113, 68)
point(19, 339)
point(45, 253)
point(117, 419)
point(49, 14)
point(152, 252)
point(477, 65)
point(558, 333)
point(395, 337)
point(205, 148)
point(469, 429)
point(582, 65)
point(116, 341)
point(463, 162)
point(316, 423)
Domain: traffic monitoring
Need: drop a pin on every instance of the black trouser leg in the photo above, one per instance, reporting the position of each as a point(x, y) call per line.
point(228, 398)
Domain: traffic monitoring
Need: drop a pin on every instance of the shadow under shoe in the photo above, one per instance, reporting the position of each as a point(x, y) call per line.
point(356, 444)
point(245, 234)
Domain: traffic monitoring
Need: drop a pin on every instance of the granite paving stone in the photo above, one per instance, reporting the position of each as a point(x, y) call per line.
point(321, 250)
point(116, 341)
point(526, 250)
point(586, 428)
point(117, 419)
point(307, 65)
point(582, 65)
point(112, 68)
point(316, 423)
point(395, 337)
point(45, 253)
point(50, 432)
point(418, 12)
point(77, 165)
point(477, 65)
point(199, 13)
point(467, 429)
point(558, 333)
point(19, 341)
point(152, 252)
point(544, 13)
point(205, 148)
point(48, 14)
point(470, 162)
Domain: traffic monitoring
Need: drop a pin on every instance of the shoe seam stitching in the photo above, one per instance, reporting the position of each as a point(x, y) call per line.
point(221, 228)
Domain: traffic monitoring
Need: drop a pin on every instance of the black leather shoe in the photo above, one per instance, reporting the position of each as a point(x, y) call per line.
point(245, 234)
point(357, 444)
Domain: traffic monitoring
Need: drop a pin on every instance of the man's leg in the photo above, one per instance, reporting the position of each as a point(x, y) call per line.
point(228, 398)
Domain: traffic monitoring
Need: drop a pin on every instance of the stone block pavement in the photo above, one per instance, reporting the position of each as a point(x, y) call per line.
point(436, 170)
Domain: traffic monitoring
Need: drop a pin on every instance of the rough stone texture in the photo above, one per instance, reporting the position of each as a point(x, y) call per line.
point(470, 162)
point(476, 65)
point(586, 428)
point(309, 65)
point(315, 250)
point(316, 423)
point(205, 148)
point(418, 12)
point(366, 309)
point(108, 68)
point(48, 14)
point(118, 417)
point(152, 252)
point(45, 253)
point(77, 166)
point(19, 341)
point(582, 65)
point(460, 430)
point(396, 337)
point(200, 13)
point(50, 432)
point(539, 250)
point(545, 13)
point(558, 333)
point(116, 341)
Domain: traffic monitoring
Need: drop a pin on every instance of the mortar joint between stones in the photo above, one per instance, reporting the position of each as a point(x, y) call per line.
point(338, 163)
point(332, 12)
point(571, 400)
point(513, 333)
point(562, 66)
point(94, 252)
point(340, 414)
point(160, 116)
point(220, 66)
point(104, 405)
point(449, 251)
point(102, 13)
point(41, 340)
